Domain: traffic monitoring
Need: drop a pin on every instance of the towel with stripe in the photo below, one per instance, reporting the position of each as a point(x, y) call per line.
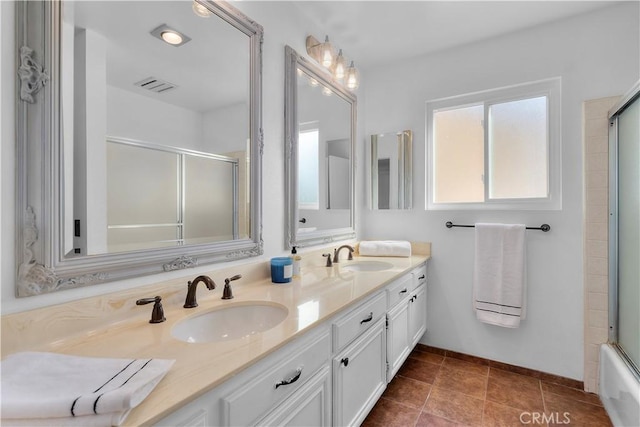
point(499, 281)
point(40, 388)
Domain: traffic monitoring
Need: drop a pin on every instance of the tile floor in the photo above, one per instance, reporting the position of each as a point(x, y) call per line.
point(437, 390)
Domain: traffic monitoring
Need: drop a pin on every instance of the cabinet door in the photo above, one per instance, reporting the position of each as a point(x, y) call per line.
point(417, 314)
point(359, 376)
point(309, 407)
point(398, 338)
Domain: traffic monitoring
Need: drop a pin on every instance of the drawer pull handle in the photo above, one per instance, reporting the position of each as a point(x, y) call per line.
point(404, 291)
point(345, 361)
point(368, 319)
point(291, 380)
point(421, 277)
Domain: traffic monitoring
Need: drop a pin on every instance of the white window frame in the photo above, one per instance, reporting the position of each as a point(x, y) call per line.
point(551, 88)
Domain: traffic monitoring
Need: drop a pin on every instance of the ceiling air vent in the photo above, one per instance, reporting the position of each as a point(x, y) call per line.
point(155, 85)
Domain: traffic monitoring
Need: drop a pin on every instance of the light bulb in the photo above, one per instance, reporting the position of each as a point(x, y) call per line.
point(313, 82)
point(353, 80)
point(171, 37)
point(339, 69)
point(200, 10)
point(326, 91)
point(326, 53)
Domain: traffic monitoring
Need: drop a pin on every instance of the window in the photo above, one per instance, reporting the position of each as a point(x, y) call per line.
point(308, 169)
point(498, 149)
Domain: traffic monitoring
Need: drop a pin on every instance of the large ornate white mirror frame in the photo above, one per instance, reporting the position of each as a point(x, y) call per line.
point(41, 263)
point(295, 66)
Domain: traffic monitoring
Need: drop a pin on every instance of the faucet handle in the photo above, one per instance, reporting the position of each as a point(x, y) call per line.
point(232, 278)
point(157, 314)
point(227, 293)
point(329, 264)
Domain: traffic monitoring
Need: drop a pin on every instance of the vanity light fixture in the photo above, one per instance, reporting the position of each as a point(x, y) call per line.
point(200, 9)
point(353, 77)
point(170, 36)
point(339, 69)
point(324, 54)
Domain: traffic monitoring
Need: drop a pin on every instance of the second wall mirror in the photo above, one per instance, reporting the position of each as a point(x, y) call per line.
point(320, 122)
point(391, 173)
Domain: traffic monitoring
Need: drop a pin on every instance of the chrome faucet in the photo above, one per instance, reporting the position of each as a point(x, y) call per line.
point(190, 301)
point(336, 252)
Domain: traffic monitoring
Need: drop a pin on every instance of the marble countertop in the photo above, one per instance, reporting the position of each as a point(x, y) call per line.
point(318, 295)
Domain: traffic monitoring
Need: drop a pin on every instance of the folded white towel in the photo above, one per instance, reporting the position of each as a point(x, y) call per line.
point(102, 420)
point(398, 248)
point(49, 385)
point(499, 282)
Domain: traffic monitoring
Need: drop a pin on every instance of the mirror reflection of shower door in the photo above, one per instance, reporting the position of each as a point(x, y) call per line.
point(210, 200)
point(161, 196)
point(626, 125)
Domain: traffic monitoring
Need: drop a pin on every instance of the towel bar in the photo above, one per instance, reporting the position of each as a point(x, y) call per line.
point(543, 227)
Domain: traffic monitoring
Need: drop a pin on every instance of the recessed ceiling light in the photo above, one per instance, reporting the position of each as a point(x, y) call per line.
point(170, 35)
point(200, 10)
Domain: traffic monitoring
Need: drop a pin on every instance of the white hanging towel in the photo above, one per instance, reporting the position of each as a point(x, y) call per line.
point(499, 280)
point(56, 389)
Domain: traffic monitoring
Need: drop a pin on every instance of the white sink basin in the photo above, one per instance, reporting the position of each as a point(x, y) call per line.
point(367, 266)
point(229, 323)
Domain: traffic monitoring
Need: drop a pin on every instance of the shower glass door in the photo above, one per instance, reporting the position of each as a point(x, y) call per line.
point(625, 230)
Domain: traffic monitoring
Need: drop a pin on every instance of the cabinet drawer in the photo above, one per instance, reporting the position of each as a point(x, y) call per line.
point(358, 320)
point(420, 276)
point(309, 407)
point(400, 289)
point(253, 400)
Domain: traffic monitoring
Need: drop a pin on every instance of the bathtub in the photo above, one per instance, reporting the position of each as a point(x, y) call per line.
point(619, 389)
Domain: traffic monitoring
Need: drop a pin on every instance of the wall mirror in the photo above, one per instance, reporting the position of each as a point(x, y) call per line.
point(320, 122)
point(139, 139)
point(391, 174)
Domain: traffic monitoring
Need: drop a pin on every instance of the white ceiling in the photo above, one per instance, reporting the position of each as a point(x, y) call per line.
point(375, 32)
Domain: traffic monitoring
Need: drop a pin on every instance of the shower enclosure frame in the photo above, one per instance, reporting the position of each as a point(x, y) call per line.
point(632, 96)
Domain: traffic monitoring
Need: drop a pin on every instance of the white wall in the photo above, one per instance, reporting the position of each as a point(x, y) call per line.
point(278, 33)
point(226, 128)
point(134, 116)
point(596, 55)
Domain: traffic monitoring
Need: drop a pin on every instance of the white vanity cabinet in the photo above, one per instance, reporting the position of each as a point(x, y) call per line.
point(332, 375)
point(406, 318)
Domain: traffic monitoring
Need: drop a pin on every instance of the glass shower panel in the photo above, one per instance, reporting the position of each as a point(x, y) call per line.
point(142, 197)
point(629, 231)
point(210, 200)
